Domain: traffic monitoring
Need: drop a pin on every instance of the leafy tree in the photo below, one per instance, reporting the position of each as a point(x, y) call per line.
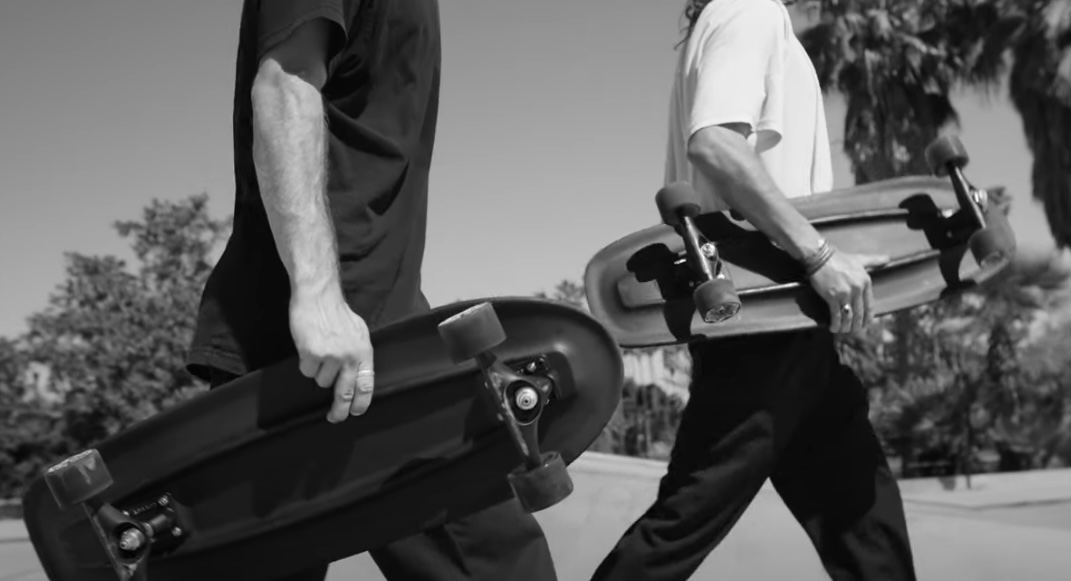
point(1036, 34)
point(568, 292)
point(24, 431)
point(112, 342)
point(896, 63)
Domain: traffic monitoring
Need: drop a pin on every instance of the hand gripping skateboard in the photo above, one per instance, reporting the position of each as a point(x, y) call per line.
point(475, 403)
point(702, 275)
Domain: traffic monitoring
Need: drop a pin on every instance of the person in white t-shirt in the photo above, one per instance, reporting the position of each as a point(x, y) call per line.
point(747, 129)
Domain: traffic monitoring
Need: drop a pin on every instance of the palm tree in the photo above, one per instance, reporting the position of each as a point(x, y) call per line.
point(897, 61)
point(896, 64)
point(892, 64)
point(1038, 36)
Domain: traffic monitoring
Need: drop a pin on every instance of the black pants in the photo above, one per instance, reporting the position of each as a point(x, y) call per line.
point(781, 407)
point(499, 543)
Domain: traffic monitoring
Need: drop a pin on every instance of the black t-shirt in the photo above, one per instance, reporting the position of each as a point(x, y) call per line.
point(381, 102)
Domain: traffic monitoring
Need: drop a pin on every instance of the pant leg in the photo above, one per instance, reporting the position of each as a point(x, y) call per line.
point(502, 542)
point(835, 479)
point(218, 377)
point(496, 544)
point(747, 398)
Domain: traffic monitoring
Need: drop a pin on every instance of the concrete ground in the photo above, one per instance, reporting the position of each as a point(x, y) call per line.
point(1010, 526)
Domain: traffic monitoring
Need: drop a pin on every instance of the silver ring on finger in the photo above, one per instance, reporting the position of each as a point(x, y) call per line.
point(365, 372)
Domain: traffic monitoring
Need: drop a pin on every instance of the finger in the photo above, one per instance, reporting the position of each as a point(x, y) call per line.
point(345, 393)
point(859, 310)
point(868, 301)
point(875, 260)
point(328, 371)
point(309, 366)
point(366, 377)
point(847, 312)
point(834, 315)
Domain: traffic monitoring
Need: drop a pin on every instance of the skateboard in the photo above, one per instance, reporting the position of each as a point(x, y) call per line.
point(703, 274)
point(475, 404)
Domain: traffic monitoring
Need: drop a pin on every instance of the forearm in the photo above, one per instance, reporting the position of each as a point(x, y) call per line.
point(289, 149)
point(728, 161)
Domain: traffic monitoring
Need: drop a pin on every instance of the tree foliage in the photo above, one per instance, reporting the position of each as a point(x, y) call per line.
point(940, 394)
point(109, 349)
point(896, 63)
point(965, 384)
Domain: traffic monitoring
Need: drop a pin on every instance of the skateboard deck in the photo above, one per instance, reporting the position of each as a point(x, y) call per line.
point(251, 480)
point(702, 275)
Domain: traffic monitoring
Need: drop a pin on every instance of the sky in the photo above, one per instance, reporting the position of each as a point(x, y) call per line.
point(550, 143)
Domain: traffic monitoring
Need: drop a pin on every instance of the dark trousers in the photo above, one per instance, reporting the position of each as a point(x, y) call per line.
point(781, 407)
point(502, 542)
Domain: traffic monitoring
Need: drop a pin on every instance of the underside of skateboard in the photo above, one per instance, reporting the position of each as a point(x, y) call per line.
point(517, 398)
point(514, 391)
point(701, 276)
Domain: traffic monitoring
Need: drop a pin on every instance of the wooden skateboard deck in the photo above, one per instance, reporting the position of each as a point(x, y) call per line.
point(643, 286)
point(254, 481)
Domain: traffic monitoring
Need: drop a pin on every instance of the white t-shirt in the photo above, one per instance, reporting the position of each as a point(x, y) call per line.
point(744, 64)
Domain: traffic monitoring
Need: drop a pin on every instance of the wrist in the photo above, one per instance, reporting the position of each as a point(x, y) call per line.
point(813, 260)
point(316, 289)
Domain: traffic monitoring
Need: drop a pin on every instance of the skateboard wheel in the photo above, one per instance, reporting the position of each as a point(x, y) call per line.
point(716, 300)
point(943, 151)
point(989, 247)
point(543, 486)
point(471, 332)
point(675, 197)
point(78, 478)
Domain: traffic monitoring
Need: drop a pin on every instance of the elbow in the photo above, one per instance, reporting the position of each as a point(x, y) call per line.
point(706, 148)
point(712, 149)
point(276, 74)
point(268, 83)
point(275, 90)
point(701, 148)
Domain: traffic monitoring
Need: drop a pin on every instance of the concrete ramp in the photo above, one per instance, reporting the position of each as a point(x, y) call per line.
point(1013, 527)
point(952, 543)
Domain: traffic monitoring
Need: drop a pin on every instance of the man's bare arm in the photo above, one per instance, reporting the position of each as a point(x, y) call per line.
point(723, 154)
point(289, 149)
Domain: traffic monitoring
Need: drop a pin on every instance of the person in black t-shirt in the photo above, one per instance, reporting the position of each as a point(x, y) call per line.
point(335, 110)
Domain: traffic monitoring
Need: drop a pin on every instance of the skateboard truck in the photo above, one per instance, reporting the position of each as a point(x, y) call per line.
point(946, 156)
point(518, 400)
point(127, 536)
point(715, 296)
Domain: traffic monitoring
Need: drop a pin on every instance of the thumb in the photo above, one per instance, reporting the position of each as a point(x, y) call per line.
point(875, 260)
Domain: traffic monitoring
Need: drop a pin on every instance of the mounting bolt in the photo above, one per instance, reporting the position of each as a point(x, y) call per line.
point(162, 501)
point(176, 532)
point(526, 398)
point(709, 250)
point(131, 540)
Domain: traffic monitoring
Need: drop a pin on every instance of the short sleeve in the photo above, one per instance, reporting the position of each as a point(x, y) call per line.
point(277, 20)
point(740, 53)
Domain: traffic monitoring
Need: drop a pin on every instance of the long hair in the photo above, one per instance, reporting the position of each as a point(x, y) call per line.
point(692, 10)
